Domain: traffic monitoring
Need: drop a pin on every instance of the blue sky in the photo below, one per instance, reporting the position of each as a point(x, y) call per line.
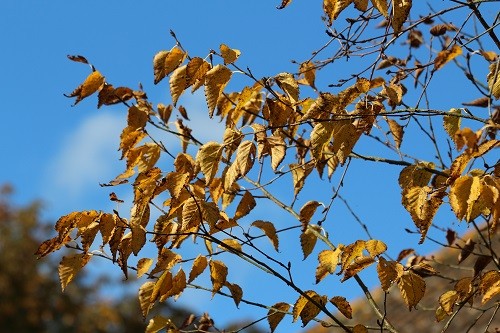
point(59, 153)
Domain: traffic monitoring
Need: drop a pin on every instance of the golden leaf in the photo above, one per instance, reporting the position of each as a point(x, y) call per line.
point(236, 292)
point(351, 252)
point(306, 309)
point(400, 12)
point(448, 300)
point(92, 83)
point(397, 132)
point(216, 80)
point(464, 193)
point(414, 175)
point(143, 266)
point(440, 314)
point(308, 71)
point(446, 56)
point(175, 183)
point(452, 122)
point(178, 83)
point(199, 265)
point(195, 72)
point(343, 305)
point(278, 150)
point(110, 95)
point(145, 292)
point(246, 204)
point(269, 230)
point(208, 157)
point(387, 273)
point(381, 6)
point(178, 286)
point(276, 313)
point(328, 260)
point(308, 240)
point(489, 55)
point(231, 139)
point(361, 5)
point(158, 323)
point(489, 285)
point(107, 224)
point(164, 111)
point(333, 8)
point(466, 137)
point(412, 288)
point(70, 266)
point(493, 79)
point(230, 245)
point(218, 274)
point(375, 247)
point(320, 137)
point(165, 62)
point(357, 266)
point(395, 94)
point(129, 138)
point(161, 287)
point(306, 213)
point(166, 260)
point(289, 85)
point(229, 55)
point(299, 175)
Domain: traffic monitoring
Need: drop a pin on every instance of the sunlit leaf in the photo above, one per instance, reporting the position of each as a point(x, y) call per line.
point(333, 8)
point(343, 305)
point(289, 85)
point(199, 265)
point(236, 292)
point(269, 230)
point(400, 12)
point(381, 6)
point(306, 213)
point(178, 83)
point(246, 204)
point(143, 266)
point(397, 132)
point(387, 273)
point(306, 309)
point(328, 260)
point(70, 266)
point(357, 266)
point(375, 247)
point(158, 323)
point(412, 288)
point(216, 80)
point(308, 240)
point(229, 55)
point(446, 56)
point(145, 292)
point(208, 157)
point(165, 62)
point(489, 285)
point(494, 79)
point(218, 274)
point(93, 83)
point(195, 72)
point(276, 313)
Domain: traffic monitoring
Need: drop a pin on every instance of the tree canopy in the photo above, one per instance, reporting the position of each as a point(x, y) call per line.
point(379, 92)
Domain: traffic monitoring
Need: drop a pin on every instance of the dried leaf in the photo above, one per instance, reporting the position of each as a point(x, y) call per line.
point(493, 79)
point(195, 72)
point(70, 266)
point(412, 288)
point(158, 323)
point(351, 252)
point(333, 8)
point(145, 292)
point(452, 122)
point(448, 300)
point(328, 260)
point(216, 80)
point(269, 230)
point(236, 292)
point(229, 55)
point(387, 273)
point(306, 309)
point(481, 102)
point(357, 266)
point(381, 6)
point(306, 213)
point(218, 274)
point(230, 245)
point(489, 285)
point(343, 305)
point(439, 29)
point(466, 250)
point(308, 70)
point(308, 240)
point(375, 247)
point(361, 5)
point(165, 62)
point(93, 83)
point(400, 12)
point(143, 266)
point(397, 132)
point(446, 56)
point(199, 265)
point(208, 158)
point(276, 313)
point(178, 83)
point(289, 85)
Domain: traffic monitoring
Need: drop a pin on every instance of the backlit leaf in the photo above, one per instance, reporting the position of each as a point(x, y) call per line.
point(400, 12)
point(387, 273)
point(357, 266)
point(165, 62)
point(246, 204)
point(191, 215)
point(229, 55)
point(289, 85)
point(333, 8)
point(158, 323)
point(381, 6)
point(397, 132)
point(375, 247)
point(199, 265)
point(308, 70)
point(308, 240)
point(269, 230)
point(229, 244)
point(195, 72)
point(306, 213)
point(278, 149)
point(446, 56)
point(162, 286)
point(216, 80)
point(328, 260)
point(306, 309)
point(452, 122)
point(166, 260)
point(489, 285)
point(343, 305)
point(145, 292)
point(448, 300)
point(92, 84)
point(276, 313)
point(178, 83)
point(351, 252)
point(218, 274)
point(466, 250)
point(110, 95)
point(320, 137)
point(236, 292)
point(143, 266)
point(412, 288)
point(493, 79)
point(70, 266)
point(208, 157)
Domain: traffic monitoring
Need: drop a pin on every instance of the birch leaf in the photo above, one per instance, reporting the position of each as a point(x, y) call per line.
point(216, 80)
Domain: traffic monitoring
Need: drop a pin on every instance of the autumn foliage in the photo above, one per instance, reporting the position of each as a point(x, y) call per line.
point(294, 130)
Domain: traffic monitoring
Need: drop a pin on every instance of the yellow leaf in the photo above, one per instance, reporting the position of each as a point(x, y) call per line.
point(246, 204)
point(107, 224)
point(400, 12)
point(178, 286)
point(308, 240)
point(489, 285)
point(195, 72)
point(351, 252)
point(145, 292)
point(129, 138)
point(381, 6)
point(328, 260)
point(452, 122)
point(199, 265)
point(178, 83)
point(236, 292)
point(306, 213)
point(143, 266)
point(414, 175)
point(359, 329)
point(395, 94)
point(466, 137)
point(306, 309)
point(361, 5)
point(489, 55)
point(175, 182)
point(208, 157)
point(375, 247)
point(70, 266)
point(493, 79)
point(137, 117)
point(446, 56)
point(448, 300)
point(216, 80)
point(165, 62)
point(357, 266)
point(299, 175)
point(387, 273)
point(320, 137)
point(397, 132)
point(289, 85)
point(92, 83)
point(440, 314)
point(191, 214)
point(412, 288)
point(463, 194)
point(308, 70)
point(245, 158)
point(333, 8)
point(343, 305)
point(231, 139)
point(158, 323)
point(218, 274)
point(276, 313)
point(278, 150)
point(230, 245)
point(162, 286)
point(166, 260)
point(229, 55)
point(269, 230)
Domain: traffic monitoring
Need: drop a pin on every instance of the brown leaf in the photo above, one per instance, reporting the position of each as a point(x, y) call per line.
point(208, 158)
point(199, 265)
point(439, 29)
point(216, 80)
point(343, 305)
point(246, 204)
point(236, 292)
point(178, 83)
point(412, 288)
point(165, 62)
point(276, 313)
point(397, 132)
point(451, 122)
point(381, 6)
point(218, 274)
point(489, 285)
point(482, 102)
point(269, 230)
point(446, 56)
point(400, 12)
point(466, 250)
point(145, 292)
point(375, 247)
point(357, 266)
point(284, 3)
point(70, 266)
point(308, 240)
point(481, 263)
point(387, 273)
point(306, 309)
point(78, 58)
point(493, 79)
point(143, 266)
point(306, 213)
point(110, 95)
point(93, 83)
point(333, 8)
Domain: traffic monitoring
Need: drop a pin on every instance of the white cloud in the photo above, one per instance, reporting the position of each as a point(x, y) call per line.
point(86, 157)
